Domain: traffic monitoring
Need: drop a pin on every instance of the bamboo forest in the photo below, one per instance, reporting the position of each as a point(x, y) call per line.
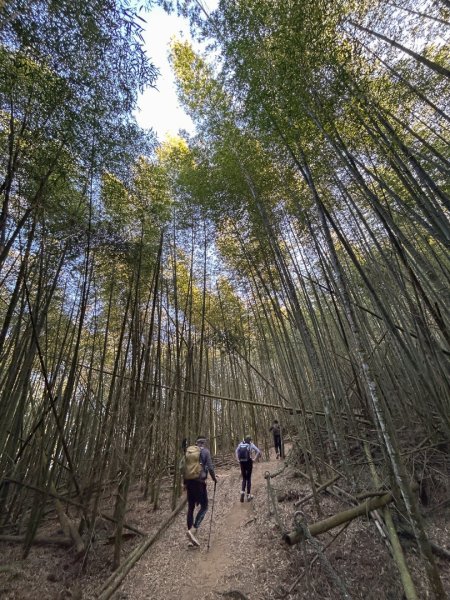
point(285, 262)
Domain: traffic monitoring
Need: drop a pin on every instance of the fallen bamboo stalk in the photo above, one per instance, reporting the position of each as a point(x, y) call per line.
point(365, 495)
point(347, 515)
point(289, 409)
point(114, 581)
point(71, 502)
point(66, 542)
point(319, 489)
point(339, 493)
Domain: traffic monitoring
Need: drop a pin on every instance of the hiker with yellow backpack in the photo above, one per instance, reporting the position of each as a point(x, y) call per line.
point(197, 466)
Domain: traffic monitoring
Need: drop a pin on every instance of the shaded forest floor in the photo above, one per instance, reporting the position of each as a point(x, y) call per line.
point(246, 559)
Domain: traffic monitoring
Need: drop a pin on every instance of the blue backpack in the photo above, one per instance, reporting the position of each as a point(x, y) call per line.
point(243, 452)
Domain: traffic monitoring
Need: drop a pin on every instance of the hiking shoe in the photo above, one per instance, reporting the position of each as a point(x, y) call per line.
point(242, 496)
point(249, 497)
point(192, 538)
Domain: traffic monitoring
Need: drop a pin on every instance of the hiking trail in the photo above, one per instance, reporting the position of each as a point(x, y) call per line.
point(247, 558)
point(171, 570)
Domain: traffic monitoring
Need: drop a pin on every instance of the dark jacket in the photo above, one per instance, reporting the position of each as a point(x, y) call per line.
point(276, 430)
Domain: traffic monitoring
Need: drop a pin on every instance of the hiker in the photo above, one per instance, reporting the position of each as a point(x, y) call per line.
point(246, 454)
point(276, 431)
point(197, 465)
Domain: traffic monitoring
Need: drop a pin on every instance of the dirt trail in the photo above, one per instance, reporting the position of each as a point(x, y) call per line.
point(247, 559)
point(173, 571)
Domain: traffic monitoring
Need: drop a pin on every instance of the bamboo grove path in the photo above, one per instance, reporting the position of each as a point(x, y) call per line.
point(171, 570)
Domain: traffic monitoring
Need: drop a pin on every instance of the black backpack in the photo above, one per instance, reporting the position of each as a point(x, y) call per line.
point(243, 452)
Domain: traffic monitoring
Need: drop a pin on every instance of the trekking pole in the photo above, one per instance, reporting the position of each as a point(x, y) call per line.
point(212, 511)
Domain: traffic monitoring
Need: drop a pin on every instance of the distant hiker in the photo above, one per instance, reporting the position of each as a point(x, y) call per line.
point(276, 432)
point(246, 453)
point(197, 465)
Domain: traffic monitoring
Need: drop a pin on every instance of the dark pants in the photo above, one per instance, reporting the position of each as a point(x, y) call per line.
point(197, 495)
point(277, 443)
point(246, 470)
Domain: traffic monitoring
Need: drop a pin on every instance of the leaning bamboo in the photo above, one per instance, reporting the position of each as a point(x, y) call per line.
point(347, 515)
point(114, 581)
point(397, 551)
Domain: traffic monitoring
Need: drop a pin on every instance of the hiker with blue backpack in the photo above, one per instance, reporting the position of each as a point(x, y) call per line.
point(246, 454)
point(197, 466)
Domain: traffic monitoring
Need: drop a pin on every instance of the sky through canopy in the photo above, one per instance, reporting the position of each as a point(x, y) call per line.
point(158, 108)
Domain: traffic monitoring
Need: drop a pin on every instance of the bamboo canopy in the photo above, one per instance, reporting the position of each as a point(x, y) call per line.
point(288, 260)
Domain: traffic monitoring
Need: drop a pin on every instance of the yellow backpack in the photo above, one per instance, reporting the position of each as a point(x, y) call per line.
point(192, 463)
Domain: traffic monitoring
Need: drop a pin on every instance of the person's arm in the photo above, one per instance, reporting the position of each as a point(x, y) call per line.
point(209, 464)
point(257, 450)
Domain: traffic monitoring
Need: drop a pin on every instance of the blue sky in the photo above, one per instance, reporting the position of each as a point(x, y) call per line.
point(159, 109)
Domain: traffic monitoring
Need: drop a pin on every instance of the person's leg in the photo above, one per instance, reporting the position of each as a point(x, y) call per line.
point(191, 504)
point(249, 476)
point(194, 498)
point(203, 501)
point(277, 442)
point(244, 474)
point(192, 501)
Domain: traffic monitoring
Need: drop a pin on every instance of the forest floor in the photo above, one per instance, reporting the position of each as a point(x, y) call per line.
point(247, 558)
